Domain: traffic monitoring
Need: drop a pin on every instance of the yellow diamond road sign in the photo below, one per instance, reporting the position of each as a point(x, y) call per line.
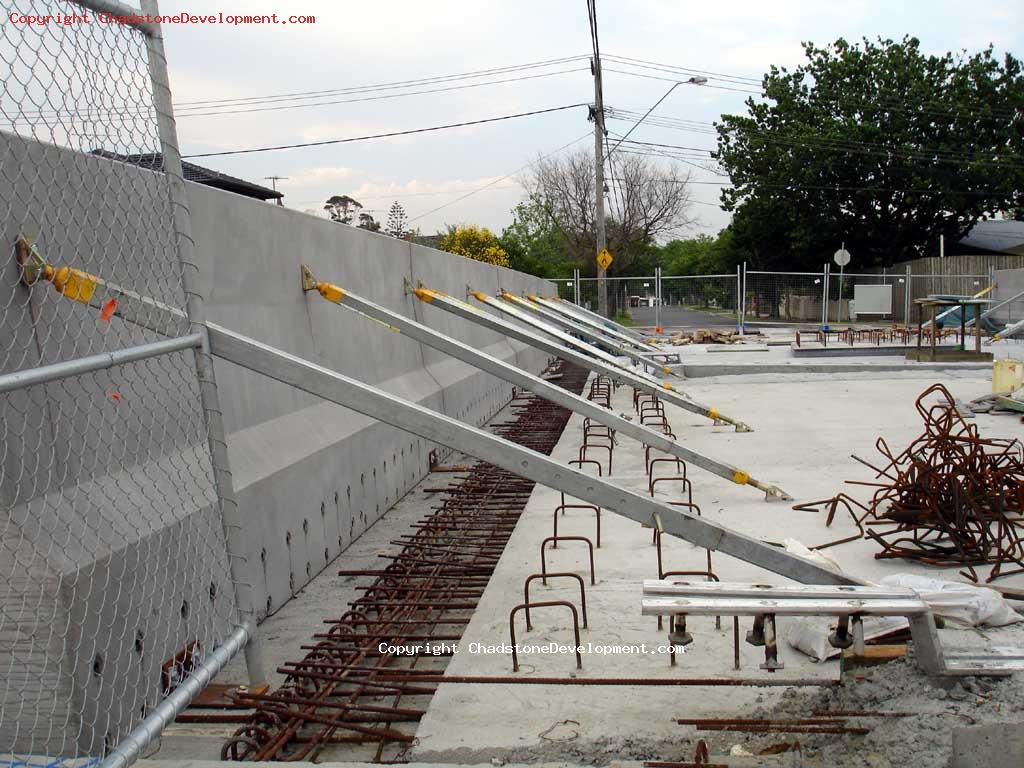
point(604, 259)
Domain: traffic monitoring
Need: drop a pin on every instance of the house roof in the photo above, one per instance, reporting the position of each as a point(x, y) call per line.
point(996, 236)
point(154, 161)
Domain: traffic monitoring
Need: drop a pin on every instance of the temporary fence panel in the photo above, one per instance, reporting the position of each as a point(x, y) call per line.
point(691, 300)
point(632, 297)
point(115, 575)
point(783, 297)
point(888, 288)
point(566, 288)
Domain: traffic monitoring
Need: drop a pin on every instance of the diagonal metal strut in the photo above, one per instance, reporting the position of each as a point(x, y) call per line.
point(568, 348)
point(535, 384)
point(410, 417)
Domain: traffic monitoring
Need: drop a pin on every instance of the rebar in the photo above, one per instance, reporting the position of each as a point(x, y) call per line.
point(343, 691)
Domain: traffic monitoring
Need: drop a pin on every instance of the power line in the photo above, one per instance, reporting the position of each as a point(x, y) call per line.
point(844, 100)
point(933, 156)
point(392, 85)
point(506, 176)
point(402, 195)
point(188, 108)
point(673, 80)
point(383, 97)
point(685, 70)
point(386, 135)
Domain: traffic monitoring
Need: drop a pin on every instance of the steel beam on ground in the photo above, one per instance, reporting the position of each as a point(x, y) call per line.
point(615, 371)
point(492, 365)
point(410, 417)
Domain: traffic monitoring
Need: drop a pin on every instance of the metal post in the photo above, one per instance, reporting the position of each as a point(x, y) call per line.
point(743, 300)
point(599, 223)
point(839, 302)
point(657, 297)
point(241, 569)
point(824, 297)
point(739, 301)
point(150, 729)
point(907, 298)
point(576, 282)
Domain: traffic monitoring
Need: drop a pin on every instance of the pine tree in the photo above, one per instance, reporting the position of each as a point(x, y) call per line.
point(397, 220)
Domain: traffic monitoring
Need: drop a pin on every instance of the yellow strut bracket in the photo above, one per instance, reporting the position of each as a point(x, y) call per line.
point(70, 282)
point(330, 292)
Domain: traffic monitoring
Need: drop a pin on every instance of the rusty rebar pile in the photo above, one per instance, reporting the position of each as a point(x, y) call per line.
point(343, 692)
point(951, 497)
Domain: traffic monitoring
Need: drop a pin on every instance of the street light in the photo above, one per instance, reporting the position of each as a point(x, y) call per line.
point(696, 80)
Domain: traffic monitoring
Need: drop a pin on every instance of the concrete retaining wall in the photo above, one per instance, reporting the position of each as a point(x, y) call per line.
point(311, 476)
point(112, 557)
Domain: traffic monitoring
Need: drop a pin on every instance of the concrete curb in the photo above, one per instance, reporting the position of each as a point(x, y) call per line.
point(701, 371)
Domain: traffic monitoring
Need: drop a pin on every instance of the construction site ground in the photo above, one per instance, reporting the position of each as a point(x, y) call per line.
point(806, 426)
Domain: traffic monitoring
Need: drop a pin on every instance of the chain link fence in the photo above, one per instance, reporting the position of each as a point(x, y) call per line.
point(782, 297)
point(776, 297)
point(700, 300)
point(115, 578)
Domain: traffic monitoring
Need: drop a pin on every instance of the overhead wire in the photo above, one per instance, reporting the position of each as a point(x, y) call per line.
point(390, 134)
point(503, 178)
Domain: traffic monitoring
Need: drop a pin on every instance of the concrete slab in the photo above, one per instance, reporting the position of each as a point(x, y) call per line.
point(994, 745)
point(806, 427)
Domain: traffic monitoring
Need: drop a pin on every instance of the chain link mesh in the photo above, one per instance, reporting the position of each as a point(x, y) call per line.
point(699, 300)
point(112, 554)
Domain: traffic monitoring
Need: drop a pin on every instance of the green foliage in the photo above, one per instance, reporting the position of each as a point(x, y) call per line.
point(534, 245)
point(342, 208)
point(877, 145)
point(623, 318)
point(397, 221)
point(366, 221)
point(702, 255)
point(474, 242)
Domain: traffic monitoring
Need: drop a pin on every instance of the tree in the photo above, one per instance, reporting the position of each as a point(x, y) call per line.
point(646, 202)
point(366, 221)
point(397, 221)
point(342, 208)
point(877, 145)
point(533, 244)
point(474, 242)
point(702, 255)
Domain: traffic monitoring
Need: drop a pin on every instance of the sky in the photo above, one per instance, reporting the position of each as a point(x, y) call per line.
point(472, 174)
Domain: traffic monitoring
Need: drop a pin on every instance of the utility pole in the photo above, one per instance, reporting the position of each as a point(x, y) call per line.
point(273, 184)
point(602, 242)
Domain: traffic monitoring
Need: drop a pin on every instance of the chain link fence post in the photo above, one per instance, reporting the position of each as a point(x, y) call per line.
point(119, 558)
point(242, 573)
